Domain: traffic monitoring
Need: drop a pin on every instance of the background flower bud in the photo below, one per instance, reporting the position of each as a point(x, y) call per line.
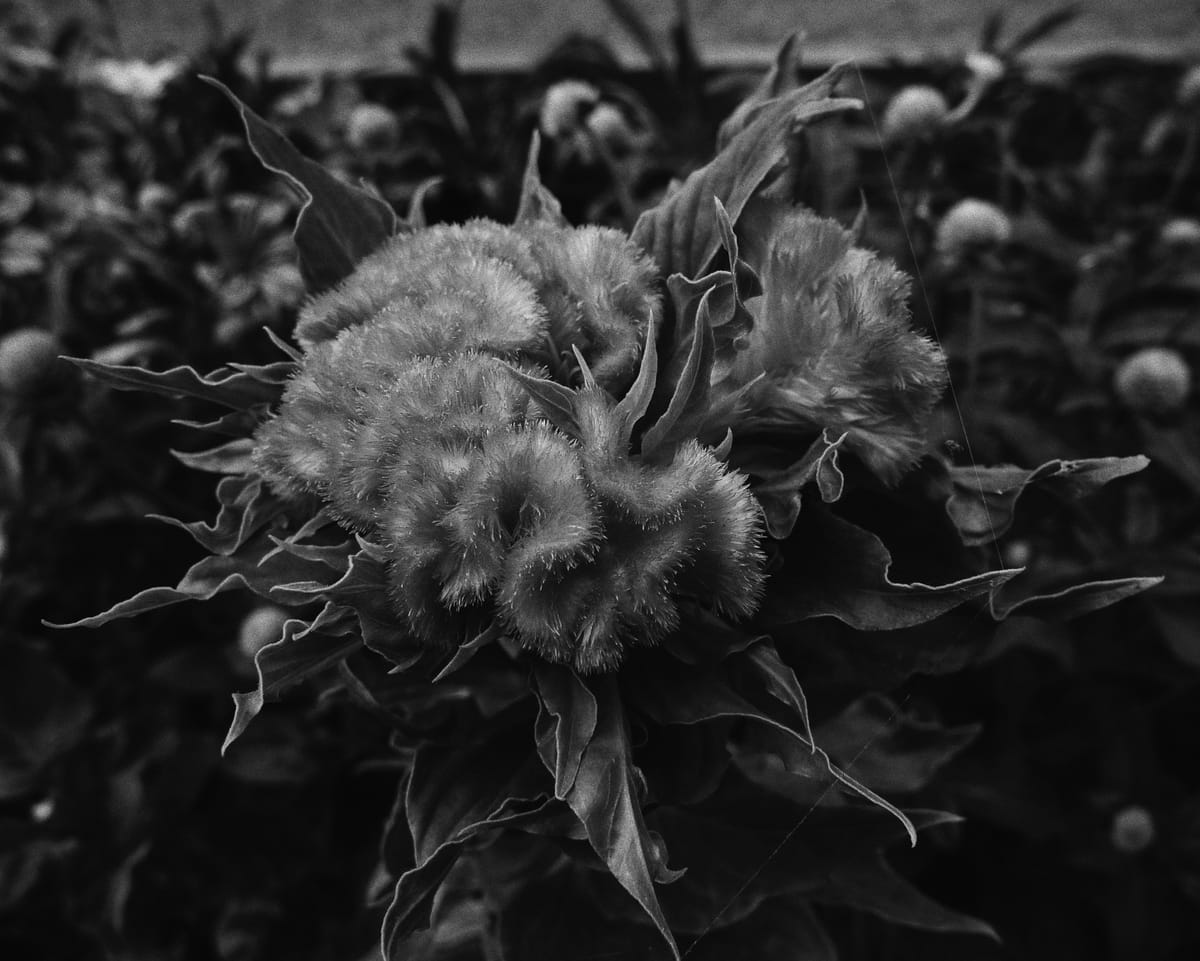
point(1155, 380)
point(1132, 829)
point(372, 128)
point(1187, 94)
point(262, 626)
point(969, 224)
point(564, 107)
point(986, 68)
point(28, 360)
point(915, 112)
point(1180, 232)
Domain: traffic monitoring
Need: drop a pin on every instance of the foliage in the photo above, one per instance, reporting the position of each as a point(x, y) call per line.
point(456, 492)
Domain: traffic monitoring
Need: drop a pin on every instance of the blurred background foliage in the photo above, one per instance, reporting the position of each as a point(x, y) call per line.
point(1051, 218)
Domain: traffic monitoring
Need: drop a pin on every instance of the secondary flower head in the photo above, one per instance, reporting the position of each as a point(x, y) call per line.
point(371, 128)
point(986, 68)
point(833, 347)
point(1187, 94)
point(915, 112)
point(1180, 232)
point(1154, 380)
point(970, 225)
point(1133, 829)
point(564, 107)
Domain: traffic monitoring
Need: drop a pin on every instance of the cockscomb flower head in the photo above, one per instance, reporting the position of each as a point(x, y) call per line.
point(423, 417)
point(915, 112)
point(832, 347)
point(971, 224)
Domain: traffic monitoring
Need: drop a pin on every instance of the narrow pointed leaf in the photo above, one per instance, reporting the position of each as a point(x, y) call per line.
point(338, 224)
point(231, 388)
point(633, 406)
point(537, 204)
point(556, 401)
point(781, 77)
point(571, 714)
point(1073, 601)
point(229, 458)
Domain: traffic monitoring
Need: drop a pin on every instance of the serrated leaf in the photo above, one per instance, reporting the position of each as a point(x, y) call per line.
point(983, 500)
point(231, 388)
point(537, 205)
point(283, 663)
point(233, 457)
point(681, 233)
point(338, 224)
point(555, 401)
point(246, 507)
point(565, 724)
point(842, 571)
point(604, 799)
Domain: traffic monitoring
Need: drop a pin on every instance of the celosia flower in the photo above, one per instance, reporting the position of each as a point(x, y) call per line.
point(915, 112)
point(1187, 93)
point(28, 360)
point(409, 418)
point(564, 106)
point(1154, 380)
point(986, 68)
point(1180, 232)
point(971, 224)
point(1133, 829)
point(833, 346)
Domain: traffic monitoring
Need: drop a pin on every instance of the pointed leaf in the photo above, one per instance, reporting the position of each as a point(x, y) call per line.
point(604, 799)
point(246, 507)
point(633, 406)
point(868, 883)
point(556, 401)
point(467, 650)
point(338, 224)
point(780, 491)
point(283, 663)
point(537, 204)
point(232, 388)
point(681, 232)
point(983, 500)
point(781, 77)
point(844, 574)
point(570, 721)
point(691, 390)
point(1073, 601)
point(229, 458)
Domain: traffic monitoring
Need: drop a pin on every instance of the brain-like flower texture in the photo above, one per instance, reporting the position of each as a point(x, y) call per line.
point(426, 414)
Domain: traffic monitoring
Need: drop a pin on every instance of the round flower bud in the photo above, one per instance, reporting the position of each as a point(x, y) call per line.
point(608, 124)
point(987, 68)
point(28, 359)
point(1180, 232)
point(373, 128)
point(262, 626)
point(1154, 380)
point(155, 199)
point(1132, 829)
point(971, 224)
point(1187, 94)
point(1017, 553)
point(914, 112)
point(564, 106)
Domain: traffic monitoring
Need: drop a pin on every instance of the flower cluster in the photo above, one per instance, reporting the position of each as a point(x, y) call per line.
point(832, 347)
point(416, 417)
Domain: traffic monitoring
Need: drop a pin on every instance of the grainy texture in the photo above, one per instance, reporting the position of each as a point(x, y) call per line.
point(306, 34)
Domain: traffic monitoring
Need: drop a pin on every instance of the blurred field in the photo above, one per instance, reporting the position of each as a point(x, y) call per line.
point(307, 34)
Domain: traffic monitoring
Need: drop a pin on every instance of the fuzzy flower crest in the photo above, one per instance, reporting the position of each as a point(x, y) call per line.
point(832, 347)
point(422, 416)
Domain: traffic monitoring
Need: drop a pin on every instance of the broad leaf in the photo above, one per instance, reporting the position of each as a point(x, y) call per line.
point(604, 799)
point(983, 500)
point(840, 570)
point(565, 724)
point(338, 224)
point(780, 491)
point(681, 233)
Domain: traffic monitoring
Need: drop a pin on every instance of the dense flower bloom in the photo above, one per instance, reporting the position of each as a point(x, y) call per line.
point(1133, 829)
point(413, 418)
point(1154, 380)
point(833, 347)
point(913, 113)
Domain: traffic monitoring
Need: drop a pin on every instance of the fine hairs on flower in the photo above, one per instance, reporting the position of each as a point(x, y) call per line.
point(407, 418)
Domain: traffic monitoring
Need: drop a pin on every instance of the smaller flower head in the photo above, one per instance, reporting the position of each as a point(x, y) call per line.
point(986, 68)
point(1155, 380)
point(914, 113)
point(1180, 232)
point(28, 360)
point(971, 225)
